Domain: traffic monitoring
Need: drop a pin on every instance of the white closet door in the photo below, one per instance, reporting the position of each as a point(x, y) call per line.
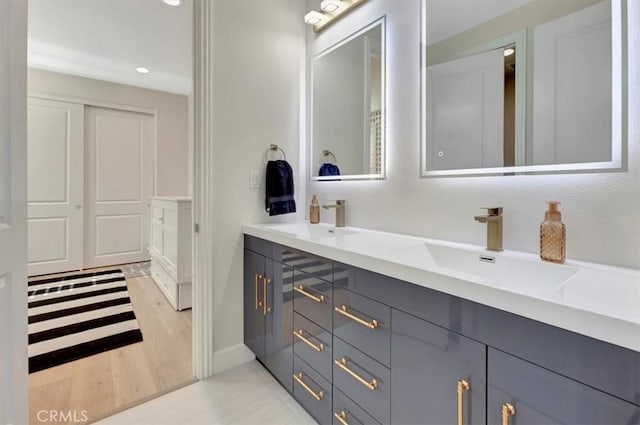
point(572, 88)
point(119, 183)
point(55, 185)
point(465, 112)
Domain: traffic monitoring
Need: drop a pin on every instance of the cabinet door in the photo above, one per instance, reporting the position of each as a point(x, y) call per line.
point(427, 362)
point(540, 396)
point(279, 322)
point(254, 322)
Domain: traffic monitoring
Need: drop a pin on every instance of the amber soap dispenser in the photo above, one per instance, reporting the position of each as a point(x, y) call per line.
point(552, 235)
point(314, 210)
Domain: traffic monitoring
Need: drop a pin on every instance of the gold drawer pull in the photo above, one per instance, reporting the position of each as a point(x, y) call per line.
point(343, 310)
point(298, 377)
point(463, 386)
point(342, 417)
point(301, 337)
point(507, 411)
point(342, 364)
point(301, 289)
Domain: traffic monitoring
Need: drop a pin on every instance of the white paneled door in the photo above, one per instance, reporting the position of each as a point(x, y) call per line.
point(465, 113)
point(119, 183)
point(13, 212)
point(55, 185)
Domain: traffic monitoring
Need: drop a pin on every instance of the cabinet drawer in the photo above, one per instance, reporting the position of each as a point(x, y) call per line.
point(166, 284)
point(363, 323)
point(313, 298)
point(540, 396)
point(363, 380)
point(313, 344)
point(312, 391)
point(350, 412)
point(171, 218)
point(309, 264)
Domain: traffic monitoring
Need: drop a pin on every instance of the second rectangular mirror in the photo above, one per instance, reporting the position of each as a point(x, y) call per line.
point(347, 113)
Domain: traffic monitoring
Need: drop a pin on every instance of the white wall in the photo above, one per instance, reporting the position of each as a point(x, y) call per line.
point(172, 166)
point(258, 49)
point(601, 211)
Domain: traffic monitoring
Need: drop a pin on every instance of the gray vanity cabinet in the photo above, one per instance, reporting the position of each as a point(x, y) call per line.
point(268, 314)
point(400, 353)
point(539, 396)
point(437, 374)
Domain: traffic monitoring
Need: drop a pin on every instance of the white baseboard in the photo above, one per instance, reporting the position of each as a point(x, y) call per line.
point(231, 357)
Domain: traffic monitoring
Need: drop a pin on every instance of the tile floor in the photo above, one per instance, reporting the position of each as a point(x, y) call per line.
point(246, 395)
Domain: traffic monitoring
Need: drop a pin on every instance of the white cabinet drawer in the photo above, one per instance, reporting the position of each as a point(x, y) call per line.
point(167, 285)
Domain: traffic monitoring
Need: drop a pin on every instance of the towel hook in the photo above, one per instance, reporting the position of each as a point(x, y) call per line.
point(274, 148)
point(327, 152)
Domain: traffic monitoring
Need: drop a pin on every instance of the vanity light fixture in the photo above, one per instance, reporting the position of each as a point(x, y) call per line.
point(315, 18)
point(509, 51)
point(173, 2)
point(143, 70)
point(332, 10)
point(331, 6)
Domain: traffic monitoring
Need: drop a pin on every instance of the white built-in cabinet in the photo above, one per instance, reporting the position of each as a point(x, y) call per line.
point(170, 249)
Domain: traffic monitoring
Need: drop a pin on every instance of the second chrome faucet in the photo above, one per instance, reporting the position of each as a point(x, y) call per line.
point(494, 227)
point(340, 207)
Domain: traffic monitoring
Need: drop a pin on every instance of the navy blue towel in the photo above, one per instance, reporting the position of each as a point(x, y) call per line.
point(329, 170)
point(279, 191)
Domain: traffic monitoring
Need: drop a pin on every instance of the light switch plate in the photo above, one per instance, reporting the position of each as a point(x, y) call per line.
point(253, 179)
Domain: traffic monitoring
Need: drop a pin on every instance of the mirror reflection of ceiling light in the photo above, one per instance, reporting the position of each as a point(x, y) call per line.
point(142, 70)
point(509, 51)
point(173, 2)
point(331, 6)
point(332, 10)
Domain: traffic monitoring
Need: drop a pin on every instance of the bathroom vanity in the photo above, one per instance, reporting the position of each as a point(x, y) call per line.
point(371, 327)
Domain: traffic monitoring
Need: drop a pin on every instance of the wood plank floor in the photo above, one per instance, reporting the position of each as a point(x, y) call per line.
point(246, 395)
point(97, 386)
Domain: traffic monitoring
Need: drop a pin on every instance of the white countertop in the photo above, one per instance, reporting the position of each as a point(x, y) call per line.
point(595, 300)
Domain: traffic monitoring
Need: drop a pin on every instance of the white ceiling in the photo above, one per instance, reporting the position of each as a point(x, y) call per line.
point(108, 39)
point(448, 17)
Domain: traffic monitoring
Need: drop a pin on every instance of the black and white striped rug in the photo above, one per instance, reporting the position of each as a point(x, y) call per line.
point(77, 316)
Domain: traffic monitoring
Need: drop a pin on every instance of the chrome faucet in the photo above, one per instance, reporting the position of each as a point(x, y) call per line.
point(340, 211)
point(494, 227)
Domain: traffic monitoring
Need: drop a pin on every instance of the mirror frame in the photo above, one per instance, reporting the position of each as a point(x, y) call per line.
point(382, 21)
point(619, 117)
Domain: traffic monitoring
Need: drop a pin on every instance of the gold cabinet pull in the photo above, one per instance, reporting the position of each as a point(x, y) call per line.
point(302, 290)
point(507, 412)
point(258, 303)
point(342, 417)
point(343, 310)
point(265, 305)
point(300, 335)
point(342, 364)
point(299, 379)
point(463, 386)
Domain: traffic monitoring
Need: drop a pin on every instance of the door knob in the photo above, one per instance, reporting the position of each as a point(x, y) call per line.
point(78, 207)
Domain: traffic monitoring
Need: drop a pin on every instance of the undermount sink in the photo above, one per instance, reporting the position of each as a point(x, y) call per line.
point(519, 273)
point(311, 231)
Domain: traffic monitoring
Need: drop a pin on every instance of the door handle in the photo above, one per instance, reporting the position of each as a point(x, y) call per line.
point(78, 207)
point(265, 305)
point(507, 411)
point(463, 386)
point(258, 303)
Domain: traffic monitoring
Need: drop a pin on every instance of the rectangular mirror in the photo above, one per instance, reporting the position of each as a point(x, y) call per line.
point(347, 125)
point(522, 86)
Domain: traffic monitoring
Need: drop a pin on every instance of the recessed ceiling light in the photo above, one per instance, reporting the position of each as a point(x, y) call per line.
point(142, 70)
point(509, 51)
point(173, 2)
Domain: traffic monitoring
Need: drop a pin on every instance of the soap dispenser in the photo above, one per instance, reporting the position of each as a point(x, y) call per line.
point(314, 211)
point(552, 235)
